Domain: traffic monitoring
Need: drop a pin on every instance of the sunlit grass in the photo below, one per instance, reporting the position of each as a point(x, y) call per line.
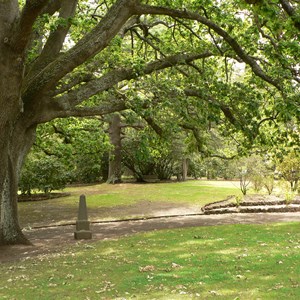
point(221, 262)
point(192, 192)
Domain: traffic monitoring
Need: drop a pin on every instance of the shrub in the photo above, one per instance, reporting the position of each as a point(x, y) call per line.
point(43, 174)
point(87, 169)
point(289, 169)
point(268, 183)
point(257, 182)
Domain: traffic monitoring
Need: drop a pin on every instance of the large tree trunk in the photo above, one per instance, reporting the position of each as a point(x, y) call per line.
point(12, 156)
point(115, 156)
point(15, 140)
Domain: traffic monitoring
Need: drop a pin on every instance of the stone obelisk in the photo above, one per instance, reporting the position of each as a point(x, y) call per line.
point(83, 231)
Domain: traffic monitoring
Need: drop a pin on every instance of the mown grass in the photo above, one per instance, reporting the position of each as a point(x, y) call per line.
point(107, 196)
point(191, 192)
point(221, 262)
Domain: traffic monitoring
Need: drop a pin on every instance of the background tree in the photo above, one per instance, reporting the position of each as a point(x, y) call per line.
point(289, 169)
point(115, 156)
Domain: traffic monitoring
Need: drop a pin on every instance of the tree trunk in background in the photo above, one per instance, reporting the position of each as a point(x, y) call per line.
point(115, 155)
point(184, 169)
point(104, 166)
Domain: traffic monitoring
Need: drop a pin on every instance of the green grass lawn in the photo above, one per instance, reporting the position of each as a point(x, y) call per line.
point(192, 192)
point(195, 192)
point(220, 262)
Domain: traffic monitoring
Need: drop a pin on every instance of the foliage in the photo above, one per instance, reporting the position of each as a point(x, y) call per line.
point(289, 197)
point(43, 174)
point(262, 173)
point(244, 181)
point(228, 104)
point(238, 200)
point(214, 168)
point(145, 153)
point(245, 172)
point(79, 144)
point(289, 169)
point(268, 183)
point(256, 170)
point(87, 168)
point(72, 146)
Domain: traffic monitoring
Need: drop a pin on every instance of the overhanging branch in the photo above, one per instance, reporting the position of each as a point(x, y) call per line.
point(113, 77)
point(185, 14)
point(109, 107)
point(224, 108)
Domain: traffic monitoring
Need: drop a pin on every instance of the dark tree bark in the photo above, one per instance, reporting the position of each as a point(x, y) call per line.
point(19, 141)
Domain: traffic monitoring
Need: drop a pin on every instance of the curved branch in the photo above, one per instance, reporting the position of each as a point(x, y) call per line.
point(150, 121)
point(52, 7)
point(72, 83)
point(223, 157)
point(153, 125)
point(147, 9)
point(224, 108)
point(113, 77)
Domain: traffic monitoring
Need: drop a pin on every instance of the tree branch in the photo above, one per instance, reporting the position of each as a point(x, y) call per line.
point(113, 77)
point(52, 7)
point(154, 10)
point(291, 12)
point(81, 78)
point(113, 105)
point(92, 43)
point(56, 39)
point(23, 28)
point(223, 157)
point(224, 108)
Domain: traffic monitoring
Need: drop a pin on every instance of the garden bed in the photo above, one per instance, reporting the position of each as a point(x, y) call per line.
point(253, 204)
point(41, 196)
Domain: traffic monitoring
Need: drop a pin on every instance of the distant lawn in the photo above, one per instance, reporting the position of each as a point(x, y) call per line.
point(195, 192)
point(220, 262)
point(192, 192)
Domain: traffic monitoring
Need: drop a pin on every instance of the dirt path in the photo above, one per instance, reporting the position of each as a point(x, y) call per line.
point(50, 240)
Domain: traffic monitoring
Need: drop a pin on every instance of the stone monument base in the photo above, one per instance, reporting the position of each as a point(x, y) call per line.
point(83, 235)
